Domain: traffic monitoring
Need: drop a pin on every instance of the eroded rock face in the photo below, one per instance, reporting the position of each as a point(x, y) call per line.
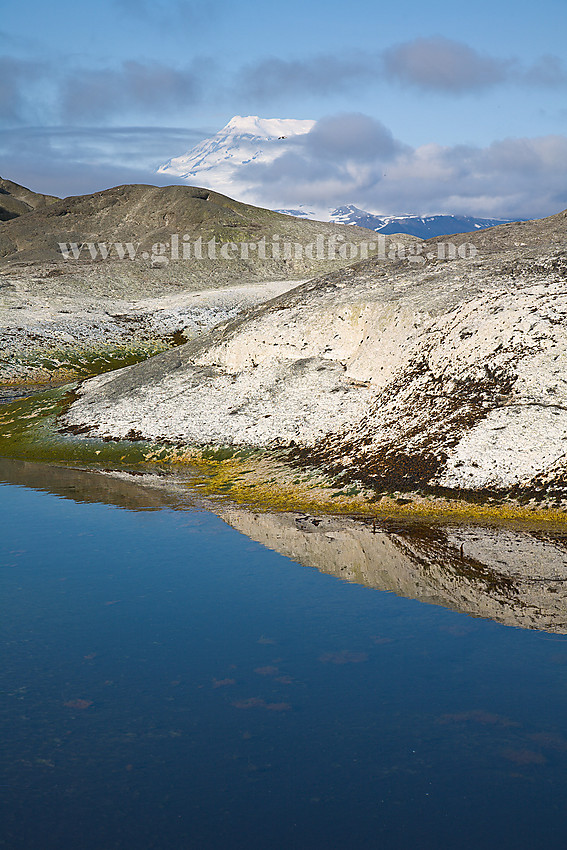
point(445, 375)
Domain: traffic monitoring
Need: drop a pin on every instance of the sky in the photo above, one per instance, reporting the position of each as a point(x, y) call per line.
point(420, 107)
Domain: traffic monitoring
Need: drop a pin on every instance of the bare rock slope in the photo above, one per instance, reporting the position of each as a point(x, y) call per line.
point(142, 216)
point(15, 200)
point(450, 375)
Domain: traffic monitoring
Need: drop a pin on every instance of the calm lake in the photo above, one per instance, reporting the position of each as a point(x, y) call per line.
point(169, 683)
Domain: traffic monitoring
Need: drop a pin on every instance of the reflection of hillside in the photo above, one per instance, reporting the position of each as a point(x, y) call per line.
point(514, 577)
point(518, 578)
point(132, 492)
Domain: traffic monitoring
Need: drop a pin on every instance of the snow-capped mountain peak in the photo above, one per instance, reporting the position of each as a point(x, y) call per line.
point(215, 162)
point(266, 128)
point(425, 227)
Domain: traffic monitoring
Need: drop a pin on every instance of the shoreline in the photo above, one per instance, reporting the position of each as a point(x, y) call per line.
point(257, 480)
point(510, 573)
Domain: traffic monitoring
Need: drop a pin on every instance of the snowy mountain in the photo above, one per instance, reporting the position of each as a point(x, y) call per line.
point(216, 163)
point(423, 226)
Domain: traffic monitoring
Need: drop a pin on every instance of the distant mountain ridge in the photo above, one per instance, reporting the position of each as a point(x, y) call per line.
point(424, 227)
point(217, 163)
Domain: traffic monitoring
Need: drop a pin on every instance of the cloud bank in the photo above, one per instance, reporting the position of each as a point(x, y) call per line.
point(18, 81)
point(352, 158)
point(134, 87)
point(443, 65)
point(319, 74)
point(33, 91)
point(434, 65)
point(345, 159)
point(77, 160)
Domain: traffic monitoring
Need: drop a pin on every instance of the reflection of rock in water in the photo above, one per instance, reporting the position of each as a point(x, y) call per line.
point(517, 578)
point(514, 577)
point(137, 493)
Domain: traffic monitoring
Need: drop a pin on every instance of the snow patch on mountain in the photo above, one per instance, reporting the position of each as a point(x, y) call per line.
point(425, 227)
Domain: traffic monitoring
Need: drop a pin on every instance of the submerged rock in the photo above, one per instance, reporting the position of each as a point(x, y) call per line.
point(441, 376)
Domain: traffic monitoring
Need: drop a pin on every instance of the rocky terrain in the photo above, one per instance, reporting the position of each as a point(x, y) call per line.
point(59, 311)
point(15, 200)
point(144, 216)
point(52, 332)
point(444, 376)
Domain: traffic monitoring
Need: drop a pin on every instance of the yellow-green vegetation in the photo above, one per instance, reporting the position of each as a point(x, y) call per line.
point(29, 431)
point(265, 482)
point(65, 364)
point(261, 480)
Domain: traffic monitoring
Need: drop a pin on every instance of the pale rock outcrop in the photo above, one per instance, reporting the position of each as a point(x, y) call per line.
point(442, 376)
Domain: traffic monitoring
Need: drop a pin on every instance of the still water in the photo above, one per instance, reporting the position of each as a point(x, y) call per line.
point(169, 683)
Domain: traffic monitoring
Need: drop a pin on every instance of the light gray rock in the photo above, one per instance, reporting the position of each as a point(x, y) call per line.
point(46, 327)
point(445, 376)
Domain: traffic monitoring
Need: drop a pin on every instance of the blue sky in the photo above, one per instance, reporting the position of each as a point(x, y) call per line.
point(97, 94)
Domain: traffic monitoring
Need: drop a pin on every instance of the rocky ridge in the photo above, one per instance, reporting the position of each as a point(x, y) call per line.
point(144, 216)
point(16, 200)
